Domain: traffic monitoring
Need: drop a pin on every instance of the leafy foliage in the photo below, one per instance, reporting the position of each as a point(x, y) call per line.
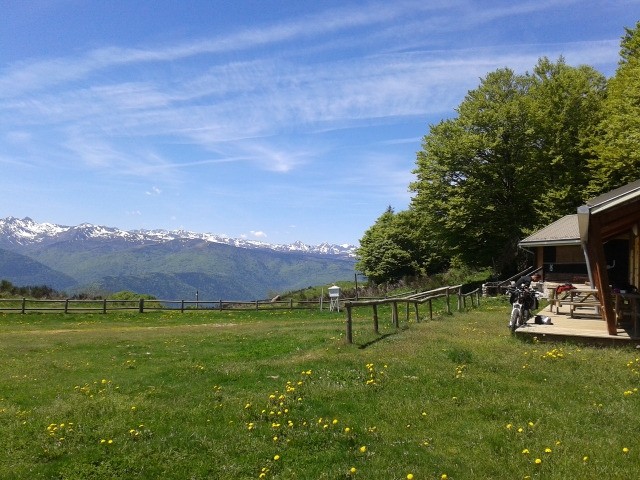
point(617, 145)
point(522, 151)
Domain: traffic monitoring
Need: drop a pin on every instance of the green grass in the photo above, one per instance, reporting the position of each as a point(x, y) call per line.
point(218, 395)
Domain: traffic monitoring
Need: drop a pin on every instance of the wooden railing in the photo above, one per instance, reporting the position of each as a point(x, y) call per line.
point(415, 300)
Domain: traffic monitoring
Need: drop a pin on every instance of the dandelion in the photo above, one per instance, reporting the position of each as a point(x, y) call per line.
point(444, 476)
point(547, 450)
point(335, 421)
point(363, 448)
point(625, 450)
point(347, 429)
point(409, 476)
point(525, 451)
point(537, 461)
point(276, 457)
point(509, 426)
point(585, 458)
point(353, 470)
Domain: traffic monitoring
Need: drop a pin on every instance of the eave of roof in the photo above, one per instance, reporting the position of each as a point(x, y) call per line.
point(563, 231)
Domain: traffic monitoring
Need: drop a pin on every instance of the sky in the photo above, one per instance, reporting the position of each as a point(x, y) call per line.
point(269, 120)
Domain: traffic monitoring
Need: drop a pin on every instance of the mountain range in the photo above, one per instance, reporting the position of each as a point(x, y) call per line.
point(169, 265)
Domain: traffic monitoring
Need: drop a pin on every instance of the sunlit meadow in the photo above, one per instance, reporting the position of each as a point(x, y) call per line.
point(280, 395)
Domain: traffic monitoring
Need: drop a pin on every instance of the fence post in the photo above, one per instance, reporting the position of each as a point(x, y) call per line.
point(349, 337)
point(141, 306)
point(104, 306)
point(406, 316)
point(415, 307)
point(375, 318)
point(430, 310)
point(394, 315)
point(24, 305)
point(448, 302)
point(181, 306)
point(460, 299)
point(291, 304)
point(257, 305)
point(66, 305)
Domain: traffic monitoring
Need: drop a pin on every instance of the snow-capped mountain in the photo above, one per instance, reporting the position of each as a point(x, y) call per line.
point(15, 232)
point(167, 264)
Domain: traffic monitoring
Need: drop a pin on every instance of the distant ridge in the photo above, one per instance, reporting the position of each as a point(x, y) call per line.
point(167, 264)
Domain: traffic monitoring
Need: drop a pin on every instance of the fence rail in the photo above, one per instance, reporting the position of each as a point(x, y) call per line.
point(27, 305)
point(415, 300)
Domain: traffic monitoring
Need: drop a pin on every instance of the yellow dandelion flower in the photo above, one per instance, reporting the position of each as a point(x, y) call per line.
point(525, 451)
point(409, 476)
point(352, 470)
point(538, 461)
point(547, 450)
point(276, 457)
point(625, 450)
point(363, 448)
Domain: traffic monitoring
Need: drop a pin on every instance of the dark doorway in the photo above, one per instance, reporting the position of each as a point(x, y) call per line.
point(617, 254)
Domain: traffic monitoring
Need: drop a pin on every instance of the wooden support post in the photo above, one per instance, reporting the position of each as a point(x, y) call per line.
point(141, 306)
point(415, 307)
point(375, 318)
point(104, 306)
point(66, 305)
point(349, 335)
point(448, 302)
point(460, 300)
point(182, 306)
point(430, 310)
point(24, 305)
point(407, 312)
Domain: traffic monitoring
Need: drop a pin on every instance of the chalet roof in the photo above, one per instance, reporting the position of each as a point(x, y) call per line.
point(563, 231)
point(607, 200)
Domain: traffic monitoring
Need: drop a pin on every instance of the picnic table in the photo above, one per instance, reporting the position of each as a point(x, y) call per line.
point(575, 298)
point(627, 305)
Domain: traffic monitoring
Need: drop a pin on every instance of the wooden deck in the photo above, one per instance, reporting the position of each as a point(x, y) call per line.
point(587, 327)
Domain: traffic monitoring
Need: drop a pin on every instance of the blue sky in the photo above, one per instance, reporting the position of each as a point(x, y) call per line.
point(269, 120)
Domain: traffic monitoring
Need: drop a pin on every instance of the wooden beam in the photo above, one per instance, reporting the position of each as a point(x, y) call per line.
point(598, 262)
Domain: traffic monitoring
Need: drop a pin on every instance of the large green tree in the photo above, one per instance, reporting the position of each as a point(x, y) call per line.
point(566, 105)
point(617, 141)
point(474, 183)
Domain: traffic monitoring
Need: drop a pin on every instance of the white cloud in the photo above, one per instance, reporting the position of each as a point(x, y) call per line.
point(258, 234)
point(154, 191)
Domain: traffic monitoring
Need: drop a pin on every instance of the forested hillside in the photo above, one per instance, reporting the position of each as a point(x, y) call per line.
point(522, 151)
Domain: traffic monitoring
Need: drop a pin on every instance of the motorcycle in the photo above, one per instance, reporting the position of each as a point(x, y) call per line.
point(522, 300)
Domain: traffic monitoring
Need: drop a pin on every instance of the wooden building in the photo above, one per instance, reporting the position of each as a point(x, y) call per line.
point(600, 244)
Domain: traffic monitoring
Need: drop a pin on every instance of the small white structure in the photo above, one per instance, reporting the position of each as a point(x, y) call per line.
point(334, 298)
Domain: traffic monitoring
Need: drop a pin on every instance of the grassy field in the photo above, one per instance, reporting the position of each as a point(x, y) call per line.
point(279, 395)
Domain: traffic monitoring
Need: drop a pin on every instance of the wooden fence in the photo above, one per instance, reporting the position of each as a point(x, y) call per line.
point(27, 305)
point(415, 300)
